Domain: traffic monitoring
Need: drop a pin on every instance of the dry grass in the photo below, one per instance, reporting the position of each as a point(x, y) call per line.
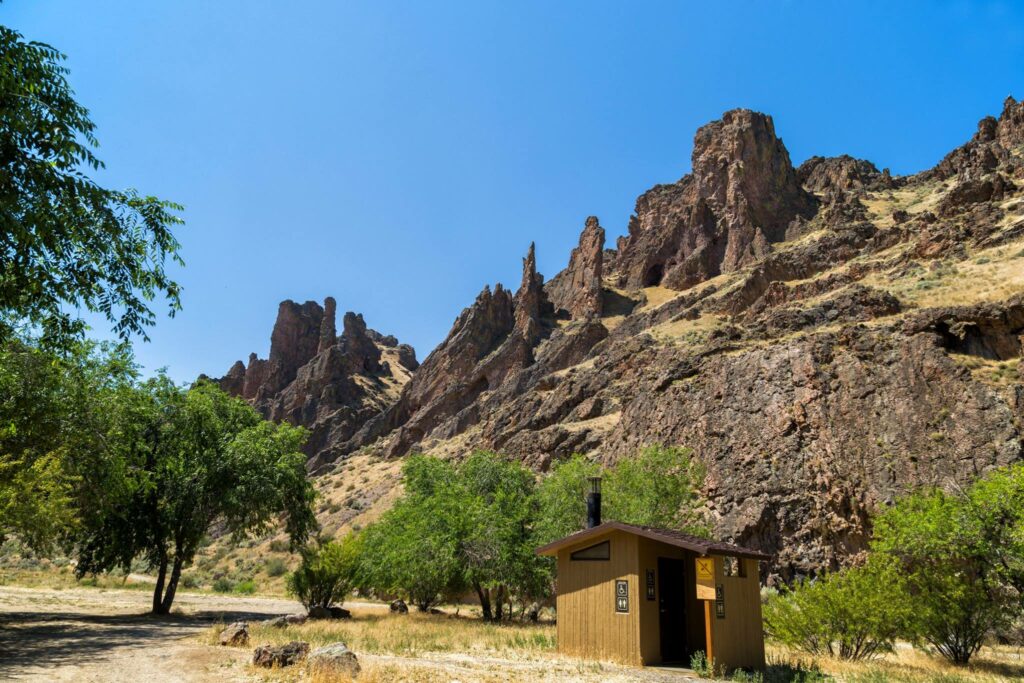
point(601, 423)
point(688, 331)
point(414, 634)
point(656, 296)
point(64, 578)
point(908, 665)
point(421, 647)
point(989, 275)
point(999, 373)
point(912, 199)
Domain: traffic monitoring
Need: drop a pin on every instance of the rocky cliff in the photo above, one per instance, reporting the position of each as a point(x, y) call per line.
point(824, 337)
point(328, 383)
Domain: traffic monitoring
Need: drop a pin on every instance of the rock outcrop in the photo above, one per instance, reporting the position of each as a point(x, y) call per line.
point(742, 196)
point(328, 383)
point(490, 340)
point(577, 291)
point(821, 174)
point(334, 660)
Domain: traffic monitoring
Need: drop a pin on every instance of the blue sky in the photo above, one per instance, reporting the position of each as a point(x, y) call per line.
point(401, 155)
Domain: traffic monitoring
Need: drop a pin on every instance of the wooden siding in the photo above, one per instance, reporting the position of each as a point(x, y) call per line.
point(588, 625)
point(738, 639)
point(650, 616)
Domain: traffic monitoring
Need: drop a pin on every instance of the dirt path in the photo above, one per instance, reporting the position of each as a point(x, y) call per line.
point(106, 635)
point(98, 635)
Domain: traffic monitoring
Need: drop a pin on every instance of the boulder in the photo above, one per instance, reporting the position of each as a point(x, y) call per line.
point(340, 613)
point(287, 620)
point(235, 635)
point(399, 607)
point(334, 659)
point(270, 656)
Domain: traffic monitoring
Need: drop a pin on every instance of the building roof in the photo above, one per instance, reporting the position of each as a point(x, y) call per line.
point(696, 544)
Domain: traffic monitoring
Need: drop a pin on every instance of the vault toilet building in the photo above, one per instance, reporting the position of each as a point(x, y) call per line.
point(641, 595)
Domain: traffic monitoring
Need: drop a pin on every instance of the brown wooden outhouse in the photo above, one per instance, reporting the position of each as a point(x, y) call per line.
point(640, 595)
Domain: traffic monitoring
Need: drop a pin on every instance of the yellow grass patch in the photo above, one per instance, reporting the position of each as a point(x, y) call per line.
point(994, 664)
point(993, 274)
point(691, 331)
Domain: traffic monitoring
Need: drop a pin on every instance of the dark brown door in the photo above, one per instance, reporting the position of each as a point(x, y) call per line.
point(672, 608)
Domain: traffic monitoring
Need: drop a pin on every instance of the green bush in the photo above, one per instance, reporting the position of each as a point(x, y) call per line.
point(279, 546)
point(327, 573)
point(190, 581)
point(961, 557)
point(703, 667)
point(223, 584)
point(854, 614)
point(247, 587)
point(276, 567)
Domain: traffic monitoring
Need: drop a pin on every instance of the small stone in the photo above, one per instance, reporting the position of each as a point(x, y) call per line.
point(288, 654)
point(235, 635)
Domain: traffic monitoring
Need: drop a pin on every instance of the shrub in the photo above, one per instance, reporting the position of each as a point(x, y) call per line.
point(854, 614)
point(962, 559)
point(190, 580)
point(279, 546)
point(703, 667)
point(223, 584)
point(247, 587)
point(327, 573)
point(276, 567)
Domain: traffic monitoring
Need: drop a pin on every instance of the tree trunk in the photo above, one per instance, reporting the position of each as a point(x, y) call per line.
point(484, 594)
point(158, 590)
point(172, 587)
point(499, 603)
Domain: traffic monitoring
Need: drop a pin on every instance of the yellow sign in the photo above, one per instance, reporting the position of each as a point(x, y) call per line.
point(705, 569)
point(705, 578)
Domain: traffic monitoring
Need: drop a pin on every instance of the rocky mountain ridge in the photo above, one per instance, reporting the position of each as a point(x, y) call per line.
point(825, 337)
point(329, 383)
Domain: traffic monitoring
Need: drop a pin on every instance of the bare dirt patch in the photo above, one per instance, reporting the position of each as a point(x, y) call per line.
point(82, 634)
point(106, 635)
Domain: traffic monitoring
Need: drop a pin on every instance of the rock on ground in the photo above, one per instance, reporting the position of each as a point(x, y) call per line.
point(235, 635)
point(334, 658)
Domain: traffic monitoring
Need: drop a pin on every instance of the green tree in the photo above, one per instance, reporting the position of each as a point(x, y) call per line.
point(459, 526)
point(660, 486)
point(180, 461)
point(853, 614)
point(412, 551)
point(66, 243)
point(53, 420)
point(327, 573)
point(962, 555)
point(498, 551)
point(561, 499)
